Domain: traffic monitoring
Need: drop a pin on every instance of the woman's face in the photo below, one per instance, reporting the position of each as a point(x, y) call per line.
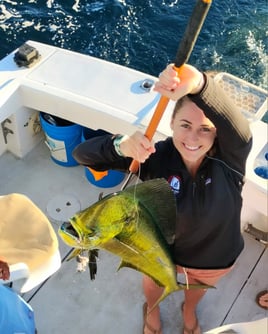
point(193, 133)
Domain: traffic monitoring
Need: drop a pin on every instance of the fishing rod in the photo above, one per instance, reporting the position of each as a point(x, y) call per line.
point(184, 51)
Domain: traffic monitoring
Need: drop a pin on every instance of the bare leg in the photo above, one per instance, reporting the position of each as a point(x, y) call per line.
point(152, 293)
point(193, 297)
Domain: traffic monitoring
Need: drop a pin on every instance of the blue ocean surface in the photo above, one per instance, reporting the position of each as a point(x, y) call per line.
point(144, 35)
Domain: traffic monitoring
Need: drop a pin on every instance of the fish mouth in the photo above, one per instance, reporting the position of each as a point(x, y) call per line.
point(68, 229)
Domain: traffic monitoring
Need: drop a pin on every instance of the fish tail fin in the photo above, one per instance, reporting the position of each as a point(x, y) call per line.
point(74, 253)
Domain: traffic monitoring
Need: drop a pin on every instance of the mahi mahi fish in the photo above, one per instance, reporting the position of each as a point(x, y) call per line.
point(136, 224)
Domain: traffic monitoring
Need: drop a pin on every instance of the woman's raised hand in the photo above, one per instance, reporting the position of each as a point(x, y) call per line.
point(174, 85)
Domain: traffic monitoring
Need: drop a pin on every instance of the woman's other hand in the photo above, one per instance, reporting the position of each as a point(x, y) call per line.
point(137, 146)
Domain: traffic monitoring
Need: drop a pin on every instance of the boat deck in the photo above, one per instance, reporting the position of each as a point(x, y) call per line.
point(69, 302)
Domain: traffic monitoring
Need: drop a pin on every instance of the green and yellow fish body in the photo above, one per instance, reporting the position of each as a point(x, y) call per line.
point(138, 225)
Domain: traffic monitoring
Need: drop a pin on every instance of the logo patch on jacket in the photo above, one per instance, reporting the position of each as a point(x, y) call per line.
point(175, 183)
point(207, 181)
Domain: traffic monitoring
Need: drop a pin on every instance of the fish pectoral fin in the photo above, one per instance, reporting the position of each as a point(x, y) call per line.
point(74, 253)
point(183, 286)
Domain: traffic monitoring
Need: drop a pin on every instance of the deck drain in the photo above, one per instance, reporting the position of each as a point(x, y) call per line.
point(62, 207)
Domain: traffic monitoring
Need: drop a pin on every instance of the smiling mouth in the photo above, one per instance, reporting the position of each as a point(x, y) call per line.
point(191, 148)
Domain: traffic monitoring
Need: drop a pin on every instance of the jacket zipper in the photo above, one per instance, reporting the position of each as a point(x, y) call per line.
point(194, 187)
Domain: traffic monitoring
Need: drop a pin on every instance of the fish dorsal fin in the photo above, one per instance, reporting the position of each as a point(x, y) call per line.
point(158, 198)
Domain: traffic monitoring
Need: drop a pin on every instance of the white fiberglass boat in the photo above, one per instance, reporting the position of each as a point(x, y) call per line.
point(100, 95)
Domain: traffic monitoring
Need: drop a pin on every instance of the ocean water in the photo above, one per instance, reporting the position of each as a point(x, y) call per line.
point(144, 34)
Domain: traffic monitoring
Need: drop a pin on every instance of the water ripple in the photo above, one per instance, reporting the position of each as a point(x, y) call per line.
point(143, 34)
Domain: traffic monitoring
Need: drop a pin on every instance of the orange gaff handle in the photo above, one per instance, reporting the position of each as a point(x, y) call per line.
point(152, 126)
point(184, 51)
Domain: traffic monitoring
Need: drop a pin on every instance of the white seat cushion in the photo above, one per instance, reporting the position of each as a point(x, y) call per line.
point(26, 234)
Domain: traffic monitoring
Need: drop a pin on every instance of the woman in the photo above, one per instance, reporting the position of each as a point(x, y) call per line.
point(204, 162)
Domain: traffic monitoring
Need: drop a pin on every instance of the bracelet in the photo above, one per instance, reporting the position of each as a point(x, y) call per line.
point(200, 85)
point(116, 142)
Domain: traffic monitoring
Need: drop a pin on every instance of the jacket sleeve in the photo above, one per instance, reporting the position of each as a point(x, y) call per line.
point(234, 139)
point(99, 153)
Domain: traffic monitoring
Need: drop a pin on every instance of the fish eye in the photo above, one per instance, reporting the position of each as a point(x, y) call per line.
point(129, 218)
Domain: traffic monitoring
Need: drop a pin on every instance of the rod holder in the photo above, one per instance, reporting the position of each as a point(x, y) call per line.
point(257, 234)
point(5, 129)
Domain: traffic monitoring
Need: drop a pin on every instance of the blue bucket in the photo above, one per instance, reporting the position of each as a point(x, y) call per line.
point(262, 169)
point(113, 177)
point(61, 138)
